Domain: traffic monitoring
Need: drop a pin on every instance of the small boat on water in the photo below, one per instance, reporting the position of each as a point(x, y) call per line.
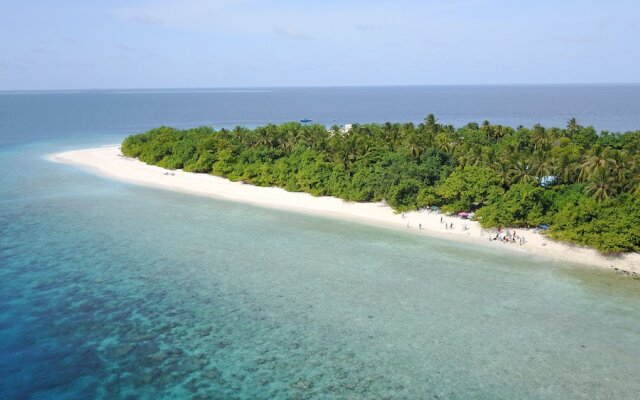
point(305, 120)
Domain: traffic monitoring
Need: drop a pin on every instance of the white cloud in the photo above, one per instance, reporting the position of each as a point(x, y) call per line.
point(195, 15)
point(188, 14)
point(297, 21)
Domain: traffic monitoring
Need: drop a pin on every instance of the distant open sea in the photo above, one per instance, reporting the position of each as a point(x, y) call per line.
point(113, 291)
point(25, 116)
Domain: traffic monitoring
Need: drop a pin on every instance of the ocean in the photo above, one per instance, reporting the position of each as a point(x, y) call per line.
point(26, 116)
point(109, 290)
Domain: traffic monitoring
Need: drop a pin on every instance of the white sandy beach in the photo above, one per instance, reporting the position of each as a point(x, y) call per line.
point(108, 161)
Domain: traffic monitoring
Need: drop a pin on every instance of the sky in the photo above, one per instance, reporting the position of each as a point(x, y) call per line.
point(101, 44)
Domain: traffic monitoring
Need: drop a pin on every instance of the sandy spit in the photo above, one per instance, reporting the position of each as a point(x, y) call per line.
point(109, 162)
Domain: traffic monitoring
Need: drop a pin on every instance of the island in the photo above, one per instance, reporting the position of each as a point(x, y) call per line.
point(571, 193)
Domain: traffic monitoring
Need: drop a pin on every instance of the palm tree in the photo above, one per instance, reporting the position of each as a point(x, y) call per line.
point(619, 170)
point(564, 169)
point(348, 150)
point(539, 137)
point(521, 173)
point(315, 138)
point(445, 142)
point(598, 159)
point(600, 188)
point(287, 142)
point(508, 151)
point(415, 145)
point(392, 135)
point(489, 155)
point(498, 132)
point(572, 127)
point(266, 136)
point(502, 169)
point(363, 145)
point(554, 135)
point(431, 123)
point(471, 157)
point(632, 185)
point(486, 127)
point(540, 164)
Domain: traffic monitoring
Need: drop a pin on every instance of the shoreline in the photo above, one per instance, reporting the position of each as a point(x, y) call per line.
point(108, 161)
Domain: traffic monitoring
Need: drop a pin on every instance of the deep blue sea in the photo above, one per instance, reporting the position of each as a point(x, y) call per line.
point(114, 291)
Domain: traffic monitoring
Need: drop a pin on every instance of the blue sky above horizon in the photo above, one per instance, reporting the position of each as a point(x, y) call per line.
point(250, 43)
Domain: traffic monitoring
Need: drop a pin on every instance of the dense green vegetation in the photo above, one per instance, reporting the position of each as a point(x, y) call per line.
point(584, 185)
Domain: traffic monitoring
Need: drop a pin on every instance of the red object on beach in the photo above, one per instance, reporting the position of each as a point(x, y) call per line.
point(463, 214)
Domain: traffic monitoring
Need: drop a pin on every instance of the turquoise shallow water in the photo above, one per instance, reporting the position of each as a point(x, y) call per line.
point(109, 290)
point(113, 291)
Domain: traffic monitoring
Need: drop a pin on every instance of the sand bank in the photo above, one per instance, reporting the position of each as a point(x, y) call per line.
point(109, 162)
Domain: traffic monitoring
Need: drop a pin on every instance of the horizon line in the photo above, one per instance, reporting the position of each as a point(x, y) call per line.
point(96, 89)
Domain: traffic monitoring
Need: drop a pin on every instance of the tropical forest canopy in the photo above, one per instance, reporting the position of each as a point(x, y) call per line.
point(584, 185)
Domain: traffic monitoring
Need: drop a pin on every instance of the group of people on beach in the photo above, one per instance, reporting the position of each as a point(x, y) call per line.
point(409, 225)
point(447, 225)
point(507, 236)
point(503, 235)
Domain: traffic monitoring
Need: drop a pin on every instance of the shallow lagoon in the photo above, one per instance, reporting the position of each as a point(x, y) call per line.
point(109, 290)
